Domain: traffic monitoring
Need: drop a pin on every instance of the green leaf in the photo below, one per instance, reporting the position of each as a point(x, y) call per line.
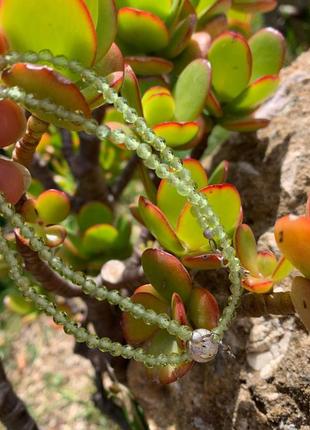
point(55, 235)
point(158, 105)
point(282, 270)
point(268, 52)
point(220, 197)
point(99, 238)
point(158, 225)
point(177, 133)
point(300, 295)
point(112, 61)
point(231, 63)
point(131, 90)
point(160, 8)
point(149, 66)
point(213, 105)
point(142, 30)
point(166, 273)
point(292, 234)
point(181, 36)
point(168, 199)
point(164, 343)
point(252, 6)
point(105, 20)
point(267, 263)
point(53, 206)
point(256, 93)
point(16, 303)
point(219, 175)
point(135, 330)
point(245, 124)
point(12, 123)
point(66, 28)
point(196, 77)
point(203, 261)
point(245, 245)
point(208, 9)
point(44, 83)
point(93, 213)
point(203, 309)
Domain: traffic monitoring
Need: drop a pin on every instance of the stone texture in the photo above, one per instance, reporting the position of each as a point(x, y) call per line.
point(267, 386)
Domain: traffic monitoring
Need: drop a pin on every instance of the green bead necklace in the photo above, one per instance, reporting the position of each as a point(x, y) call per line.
point(202, 344)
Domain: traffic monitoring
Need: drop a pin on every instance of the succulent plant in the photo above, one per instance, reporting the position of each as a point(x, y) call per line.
point(172, 223)
point(171, 291)
point(292, 234)
point(264, 268)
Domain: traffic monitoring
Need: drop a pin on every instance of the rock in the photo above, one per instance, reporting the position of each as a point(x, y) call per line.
point(267, 386)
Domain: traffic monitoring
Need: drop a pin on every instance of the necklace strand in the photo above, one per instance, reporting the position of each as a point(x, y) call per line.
point(171, 168)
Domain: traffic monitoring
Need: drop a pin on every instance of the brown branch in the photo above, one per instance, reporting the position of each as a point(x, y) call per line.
point(24, 149)
point(123, 180)
point(91, 184)
point(257, 305)
point(13, 412)
point(49, 279)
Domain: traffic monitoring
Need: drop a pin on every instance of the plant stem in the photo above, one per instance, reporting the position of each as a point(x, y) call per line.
point(13, 412)
point(257, 305)
point(123, 180)
point(24, 149)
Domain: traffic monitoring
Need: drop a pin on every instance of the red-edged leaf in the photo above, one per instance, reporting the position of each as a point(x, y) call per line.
point(149, 66)
point(98, 239)
point(252, 6)
point(158, 105)
point(178, 313)
point(292, 234)
point(168, 199)
point(12, 123)
point(177, 133)
point(55, 235)
point(130, 89)
point(4, 46)
point(300, 295)
point(149, 186)
point(245, 245)
point(29, 211)
point(213, 105)
point(112, 61)
point(268, 52)
point(216, 26)
point(166, 273)
point(181, 36)
point(267, 263)
point(159, 226)
point(14, 180)
point(220, 174)
point(93, 213)
point(203, 261)
point(203, 309)
point(231, 63)
point(164, 343)
point(207, 10)
point(220, 198)
point(53, 206)
point(44, 83)
point(245, 124)
point(257, 285)
point(256, 93)
point(282, 270)
point(142, 30)
point(135, 330)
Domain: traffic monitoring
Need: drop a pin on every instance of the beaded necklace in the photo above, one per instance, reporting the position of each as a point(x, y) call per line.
point(202, 344)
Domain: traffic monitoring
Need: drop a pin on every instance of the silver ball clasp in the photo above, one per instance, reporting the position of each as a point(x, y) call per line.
point(202, 346)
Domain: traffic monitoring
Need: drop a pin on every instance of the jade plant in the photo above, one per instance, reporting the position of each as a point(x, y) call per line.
point(76, 100)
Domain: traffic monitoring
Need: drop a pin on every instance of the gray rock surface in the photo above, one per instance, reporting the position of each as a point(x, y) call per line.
point(267, 386)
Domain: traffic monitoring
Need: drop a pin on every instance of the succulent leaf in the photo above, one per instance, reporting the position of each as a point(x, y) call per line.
point(196, 77)
point(257, 285)
point(220, 174)
point(203, 309)
point(66, 28)
point(14, 180)
point(268, 52)
point(252, 6)
point(220, 198)
point(202, 261)
point(159, 226)
point(149, 66)
point(98, 239)
point(231, 63)
point(131, 90)
point(292, 234)
point(158, 106)
point(245, 245)
point(244, 124)
point(93, 213)
point(266, 262)
point(167, 274)
point(12, 123)
point(53, 206)
point(168, 199)
point(300, 295)
point(282, 270)
point(177, 133)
